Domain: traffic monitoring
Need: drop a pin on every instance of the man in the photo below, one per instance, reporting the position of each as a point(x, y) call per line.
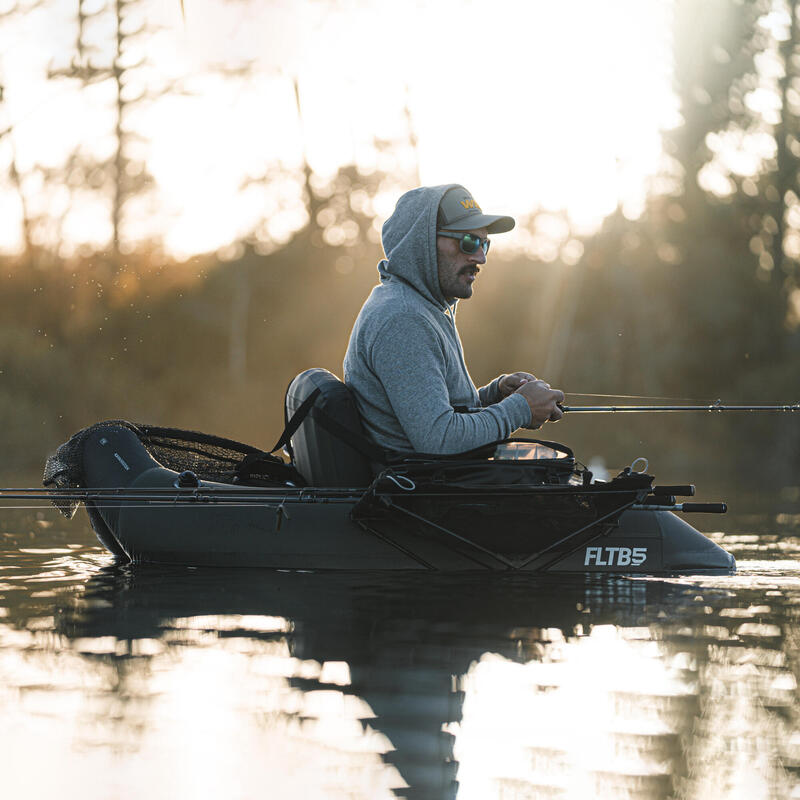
point(405, 364)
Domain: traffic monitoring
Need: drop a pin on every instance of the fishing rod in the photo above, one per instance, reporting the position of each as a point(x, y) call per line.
point(168, 496)
point(711, 407)
point(278, 498)
point(16, 493)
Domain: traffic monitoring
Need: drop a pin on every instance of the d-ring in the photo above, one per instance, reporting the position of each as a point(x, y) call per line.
point(636, 461)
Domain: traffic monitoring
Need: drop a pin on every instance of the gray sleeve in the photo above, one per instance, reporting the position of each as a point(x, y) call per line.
point(490, 394)
point(408, 358)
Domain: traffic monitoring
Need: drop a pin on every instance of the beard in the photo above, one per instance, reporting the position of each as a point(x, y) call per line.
point(453, 278)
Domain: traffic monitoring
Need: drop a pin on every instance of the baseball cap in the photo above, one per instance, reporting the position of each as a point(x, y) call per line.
point(458, 211)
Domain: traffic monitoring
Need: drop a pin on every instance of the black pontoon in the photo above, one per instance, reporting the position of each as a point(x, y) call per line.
point(177, 497)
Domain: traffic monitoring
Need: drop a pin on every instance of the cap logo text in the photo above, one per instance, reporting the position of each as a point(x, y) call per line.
point(470, 203)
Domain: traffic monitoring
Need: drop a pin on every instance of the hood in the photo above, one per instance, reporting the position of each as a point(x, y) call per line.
point(409, 242)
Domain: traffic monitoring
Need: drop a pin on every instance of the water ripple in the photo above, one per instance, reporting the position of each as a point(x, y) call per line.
point(209, 683)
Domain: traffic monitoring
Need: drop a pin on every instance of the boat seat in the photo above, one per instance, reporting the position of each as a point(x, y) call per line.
point(329, 447)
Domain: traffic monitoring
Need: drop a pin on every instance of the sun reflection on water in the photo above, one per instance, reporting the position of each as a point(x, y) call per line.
point(196, 714)
point(594, 716)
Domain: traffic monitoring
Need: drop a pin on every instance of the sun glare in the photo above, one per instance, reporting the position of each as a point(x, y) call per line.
point(531, 104)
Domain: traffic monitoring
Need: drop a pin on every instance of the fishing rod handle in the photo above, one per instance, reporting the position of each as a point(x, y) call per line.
point(684, 490)
point(652, 504)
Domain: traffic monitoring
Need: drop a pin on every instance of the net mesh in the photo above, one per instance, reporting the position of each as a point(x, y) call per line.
point(211, 458)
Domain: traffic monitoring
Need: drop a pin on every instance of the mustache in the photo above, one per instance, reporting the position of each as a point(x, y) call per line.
point(469, 268)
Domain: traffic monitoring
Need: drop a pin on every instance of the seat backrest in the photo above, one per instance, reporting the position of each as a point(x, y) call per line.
point(321, 457)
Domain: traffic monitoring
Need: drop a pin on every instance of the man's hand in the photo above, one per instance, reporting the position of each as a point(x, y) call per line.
point(510, 383)
point(542, 401)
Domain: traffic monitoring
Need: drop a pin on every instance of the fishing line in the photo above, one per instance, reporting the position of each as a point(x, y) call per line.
point(639, 397)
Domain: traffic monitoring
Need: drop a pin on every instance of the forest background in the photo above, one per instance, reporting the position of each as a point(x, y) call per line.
point(694, 294)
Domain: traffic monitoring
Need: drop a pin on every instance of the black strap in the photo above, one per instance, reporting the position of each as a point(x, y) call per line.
point(295, 422)
point(359, 443)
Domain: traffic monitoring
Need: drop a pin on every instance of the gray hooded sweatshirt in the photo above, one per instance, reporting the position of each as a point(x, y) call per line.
point(404, 362)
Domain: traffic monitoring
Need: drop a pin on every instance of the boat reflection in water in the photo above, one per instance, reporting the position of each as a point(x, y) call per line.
point(420, 686)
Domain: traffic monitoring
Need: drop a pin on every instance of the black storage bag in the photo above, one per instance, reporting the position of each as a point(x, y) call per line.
point(486, 466)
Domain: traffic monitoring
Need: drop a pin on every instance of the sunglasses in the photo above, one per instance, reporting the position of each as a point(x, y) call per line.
point(468, 242)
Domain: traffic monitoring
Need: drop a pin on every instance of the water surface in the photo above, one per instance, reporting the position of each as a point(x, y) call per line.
point(131, 682)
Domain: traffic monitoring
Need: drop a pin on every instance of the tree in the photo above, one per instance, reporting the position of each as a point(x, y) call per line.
point(123, 175)
point(15, 177)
